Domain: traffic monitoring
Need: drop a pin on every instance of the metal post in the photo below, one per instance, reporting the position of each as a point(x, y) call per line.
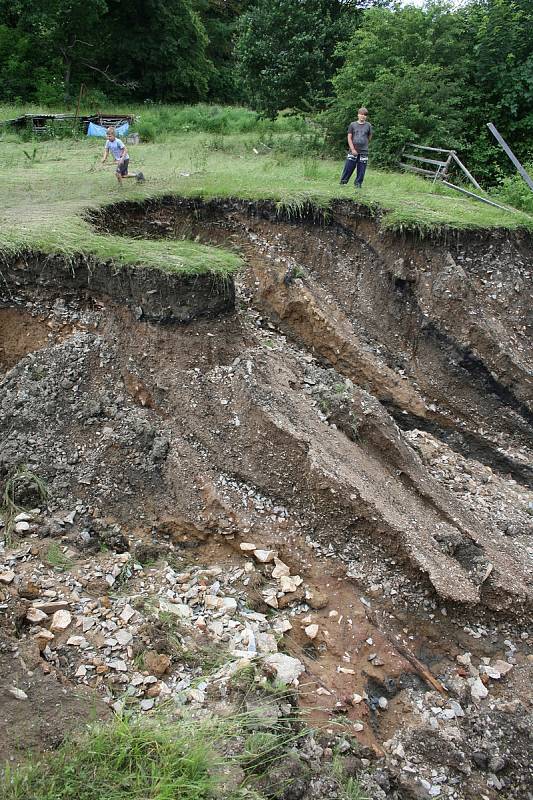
point(511, 155)
point(82, 88)
point(478, 197)
point(466, 172)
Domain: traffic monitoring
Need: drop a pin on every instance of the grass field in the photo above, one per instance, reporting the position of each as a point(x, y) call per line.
point(46, 186)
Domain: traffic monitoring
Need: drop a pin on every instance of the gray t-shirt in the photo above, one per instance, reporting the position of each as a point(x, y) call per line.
point(361, 132)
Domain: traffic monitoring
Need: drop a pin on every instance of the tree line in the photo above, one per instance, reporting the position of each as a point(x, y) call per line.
point(434, 75)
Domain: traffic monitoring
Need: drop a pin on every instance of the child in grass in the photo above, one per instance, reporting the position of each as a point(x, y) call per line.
point(359, 136)
point(119, 152)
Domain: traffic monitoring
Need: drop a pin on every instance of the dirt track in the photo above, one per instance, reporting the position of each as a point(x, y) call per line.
point(365, 411)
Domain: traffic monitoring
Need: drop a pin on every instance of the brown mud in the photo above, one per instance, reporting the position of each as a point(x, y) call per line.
point(365, 412)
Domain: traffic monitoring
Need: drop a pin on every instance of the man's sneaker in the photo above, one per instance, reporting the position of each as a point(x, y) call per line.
point(357, 185)
point(139, 177)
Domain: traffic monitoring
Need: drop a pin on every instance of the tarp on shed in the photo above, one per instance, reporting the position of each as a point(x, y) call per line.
point(99, 130)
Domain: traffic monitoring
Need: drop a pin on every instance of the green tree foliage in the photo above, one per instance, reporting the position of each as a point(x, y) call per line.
point(436, 75)
point(285, 54)
point(160, 46)
point(151, 48)
point(220, 19)
point(405, 66)
point(61, 36)
point(500, 83)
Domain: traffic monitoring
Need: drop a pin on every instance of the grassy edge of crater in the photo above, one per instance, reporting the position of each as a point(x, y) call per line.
point(77, 237)
point(179, 257)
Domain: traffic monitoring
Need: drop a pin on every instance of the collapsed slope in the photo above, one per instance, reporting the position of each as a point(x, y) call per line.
point(318, 419)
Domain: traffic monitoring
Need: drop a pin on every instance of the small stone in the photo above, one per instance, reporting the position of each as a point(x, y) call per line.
point(287, 669)
point(228, 604)
point(18, 693)
point(282, 625)
point(23, 517)
point(383, 703)
point(117, 664)
point(289, 584)
point(77, 641)
point(356, 699)
point(158, 663)
point(196, 696)
point(266, 643)
point(503, 667)
point(7, 577)
point(35, 615)
point(265, 556)
point(477, 689)
point(178, 609)
point(247, 547)
point(399, 751)
point(456, 708)
point(311, 631)
point(280, 570)
point(270, 599)
point(50, 607)
point(358, 727)
point(147, 704)
point(464, 659)
point(43, 637)
point(29, 590)
point(154, 690)
point(22, 527)
point(322, 691)
point(61, 620)
point(123, 637)
point(127, 613)
point(316, 600)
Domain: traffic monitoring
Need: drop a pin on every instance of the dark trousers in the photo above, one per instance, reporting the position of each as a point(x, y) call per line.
point(352, 162)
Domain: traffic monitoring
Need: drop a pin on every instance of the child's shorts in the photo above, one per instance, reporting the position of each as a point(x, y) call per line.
point(122, 169)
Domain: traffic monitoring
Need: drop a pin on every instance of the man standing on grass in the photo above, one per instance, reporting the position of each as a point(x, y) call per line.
point(359, 136)
point(120, 154)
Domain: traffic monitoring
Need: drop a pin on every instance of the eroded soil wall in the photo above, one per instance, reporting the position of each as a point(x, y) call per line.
point(154, 295)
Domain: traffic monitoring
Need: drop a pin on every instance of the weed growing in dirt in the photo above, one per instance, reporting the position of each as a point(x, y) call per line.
point(349, 787)
point(22, 490)
point(56, 558)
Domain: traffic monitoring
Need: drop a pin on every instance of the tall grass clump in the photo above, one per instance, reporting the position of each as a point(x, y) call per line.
point(159, 758)
point(124, 760)
point(160, 122)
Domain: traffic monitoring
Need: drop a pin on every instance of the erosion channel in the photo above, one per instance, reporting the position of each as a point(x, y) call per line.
point(328, 462)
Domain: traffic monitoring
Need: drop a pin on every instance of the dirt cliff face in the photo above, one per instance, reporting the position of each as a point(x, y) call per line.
point(365, 411)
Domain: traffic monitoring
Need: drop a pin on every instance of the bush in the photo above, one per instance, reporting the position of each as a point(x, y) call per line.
point(515, 191)
point(147, 131)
